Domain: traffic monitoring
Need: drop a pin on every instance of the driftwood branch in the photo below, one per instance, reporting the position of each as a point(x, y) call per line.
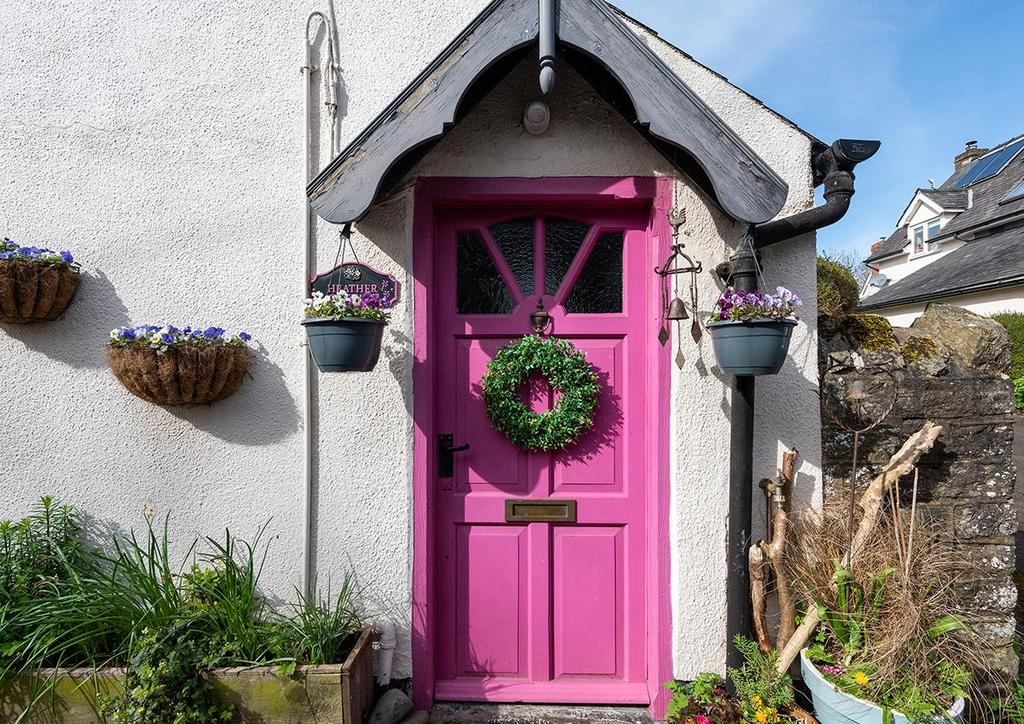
point(768, 557)
point(759, 596)
point(870, 503)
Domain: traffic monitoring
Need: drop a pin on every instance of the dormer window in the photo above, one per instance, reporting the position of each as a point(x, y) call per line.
point(922, 236)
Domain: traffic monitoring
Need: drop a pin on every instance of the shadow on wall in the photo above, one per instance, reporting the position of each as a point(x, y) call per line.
point(260, 413)
point(77, 339)
point(398, 352)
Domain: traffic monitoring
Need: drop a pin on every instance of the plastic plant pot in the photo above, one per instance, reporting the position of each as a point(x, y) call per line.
point(344, 345)
point(752, 348)
point(832, 706)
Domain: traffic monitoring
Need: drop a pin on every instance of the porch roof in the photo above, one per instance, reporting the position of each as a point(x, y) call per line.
point(606, 52)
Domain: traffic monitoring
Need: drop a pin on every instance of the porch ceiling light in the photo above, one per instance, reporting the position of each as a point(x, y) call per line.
point(537, 118)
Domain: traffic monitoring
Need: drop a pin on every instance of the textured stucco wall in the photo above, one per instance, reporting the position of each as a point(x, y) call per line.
point(164, 148)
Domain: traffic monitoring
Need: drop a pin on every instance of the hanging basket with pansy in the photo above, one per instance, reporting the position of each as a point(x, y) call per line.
point(36, 284)
point(168, 365)
point(344, 331)
point(750, 331)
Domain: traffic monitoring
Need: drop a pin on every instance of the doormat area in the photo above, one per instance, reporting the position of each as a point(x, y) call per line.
point(529, 714)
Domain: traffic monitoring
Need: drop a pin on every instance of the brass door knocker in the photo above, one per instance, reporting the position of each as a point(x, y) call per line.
point(540, 320)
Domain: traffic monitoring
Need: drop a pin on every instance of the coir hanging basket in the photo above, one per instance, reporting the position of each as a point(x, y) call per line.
point(184, 376)
point(33, 291)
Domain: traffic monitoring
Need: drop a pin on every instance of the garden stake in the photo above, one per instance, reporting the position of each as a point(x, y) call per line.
point(913, 517)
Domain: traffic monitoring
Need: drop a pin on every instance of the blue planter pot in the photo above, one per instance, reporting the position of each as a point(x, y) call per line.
point(832, 706)
point(344, 345)
point(757, 347)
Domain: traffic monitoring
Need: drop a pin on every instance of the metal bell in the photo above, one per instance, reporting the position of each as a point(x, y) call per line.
point(677, 310)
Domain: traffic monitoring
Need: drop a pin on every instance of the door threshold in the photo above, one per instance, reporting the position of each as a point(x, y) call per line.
point(479, 713)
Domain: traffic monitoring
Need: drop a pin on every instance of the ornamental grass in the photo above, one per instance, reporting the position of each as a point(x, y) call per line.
point(129, 603)
point(894, 629)
point(167, 365)
point(36, 284)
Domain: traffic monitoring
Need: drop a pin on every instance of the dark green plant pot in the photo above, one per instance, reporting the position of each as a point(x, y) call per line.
point(344, 345)
point(753, 348)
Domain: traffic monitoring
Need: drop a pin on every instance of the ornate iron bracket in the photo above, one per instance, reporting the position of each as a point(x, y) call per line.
point(676, 218)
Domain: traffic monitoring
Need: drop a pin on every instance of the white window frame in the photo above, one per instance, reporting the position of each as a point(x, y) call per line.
point(929, 230)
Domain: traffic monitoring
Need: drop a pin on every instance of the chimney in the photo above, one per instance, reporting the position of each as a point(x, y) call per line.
point(877, 245)
point(968, 155)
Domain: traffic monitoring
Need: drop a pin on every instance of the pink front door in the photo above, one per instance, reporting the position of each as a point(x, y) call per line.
point(540, 611)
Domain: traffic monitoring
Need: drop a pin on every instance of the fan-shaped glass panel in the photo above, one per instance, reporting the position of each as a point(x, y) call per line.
point(480, 288)
point(598, 289)
point(515, 239)
point(562, 241)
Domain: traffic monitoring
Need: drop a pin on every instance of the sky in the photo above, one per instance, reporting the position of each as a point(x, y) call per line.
point(921, 77)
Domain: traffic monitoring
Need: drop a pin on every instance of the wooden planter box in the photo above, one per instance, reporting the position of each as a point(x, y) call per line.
point(331, 694)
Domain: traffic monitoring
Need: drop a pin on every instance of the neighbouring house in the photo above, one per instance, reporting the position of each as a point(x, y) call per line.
point(961, 243)
point(174, 166)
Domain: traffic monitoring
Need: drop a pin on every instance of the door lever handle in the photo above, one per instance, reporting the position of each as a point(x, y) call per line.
point(446, 450)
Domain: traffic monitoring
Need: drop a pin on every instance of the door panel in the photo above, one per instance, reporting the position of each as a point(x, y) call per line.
point(588, 595)
point(595, 464)
point(504, 467)
point(492, 567)
point(541, 611)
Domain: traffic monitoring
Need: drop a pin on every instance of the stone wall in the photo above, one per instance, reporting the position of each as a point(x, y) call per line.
point(947, 368)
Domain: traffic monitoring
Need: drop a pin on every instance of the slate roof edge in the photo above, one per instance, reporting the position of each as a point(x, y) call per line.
point(1015, 280)
point(810, 136)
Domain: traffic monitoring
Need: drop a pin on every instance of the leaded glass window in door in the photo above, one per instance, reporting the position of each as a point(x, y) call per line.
point(570, 262)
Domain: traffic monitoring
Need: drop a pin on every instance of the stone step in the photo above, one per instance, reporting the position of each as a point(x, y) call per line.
point(530, 714)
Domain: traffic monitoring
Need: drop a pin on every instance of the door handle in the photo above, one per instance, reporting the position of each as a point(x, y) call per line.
point(446, 450)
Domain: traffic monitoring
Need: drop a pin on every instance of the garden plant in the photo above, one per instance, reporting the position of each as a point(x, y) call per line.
point(170, 365)
point(750, 331)
point(345, 330)
point(36, 284)
point(67, 604)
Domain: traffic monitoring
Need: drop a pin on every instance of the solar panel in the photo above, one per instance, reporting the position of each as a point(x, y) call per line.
point(989, 165)
point(1016, 192)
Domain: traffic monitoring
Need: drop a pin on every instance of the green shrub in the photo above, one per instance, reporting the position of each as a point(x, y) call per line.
point(66, 605)
point(32, 550)
point(1014, 323)
point(1018, 393)
point(838, 291)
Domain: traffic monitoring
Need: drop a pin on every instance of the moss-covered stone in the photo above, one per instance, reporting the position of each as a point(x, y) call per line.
point(869, 332)
point(917, 348)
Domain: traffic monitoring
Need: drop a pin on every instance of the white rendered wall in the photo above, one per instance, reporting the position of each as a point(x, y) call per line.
point(1007, 299)
point(906, 262)
point(165, 149)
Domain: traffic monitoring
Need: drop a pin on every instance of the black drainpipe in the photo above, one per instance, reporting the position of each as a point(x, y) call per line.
point(834, 166)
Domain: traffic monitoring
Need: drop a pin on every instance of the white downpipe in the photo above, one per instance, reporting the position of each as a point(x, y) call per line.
point(330, 93)
point(388, 640)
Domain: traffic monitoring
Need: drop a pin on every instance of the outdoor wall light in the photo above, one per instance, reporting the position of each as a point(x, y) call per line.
point(536, 118)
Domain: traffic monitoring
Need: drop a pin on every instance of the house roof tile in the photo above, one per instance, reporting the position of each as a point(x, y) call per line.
point(987, 204)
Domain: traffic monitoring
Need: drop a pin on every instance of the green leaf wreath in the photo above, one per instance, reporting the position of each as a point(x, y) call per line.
point(566, 370)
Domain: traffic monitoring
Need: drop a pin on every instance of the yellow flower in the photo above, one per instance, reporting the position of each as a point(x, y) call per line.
point(861, 678)
point(758, 702)
point(761, 716)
